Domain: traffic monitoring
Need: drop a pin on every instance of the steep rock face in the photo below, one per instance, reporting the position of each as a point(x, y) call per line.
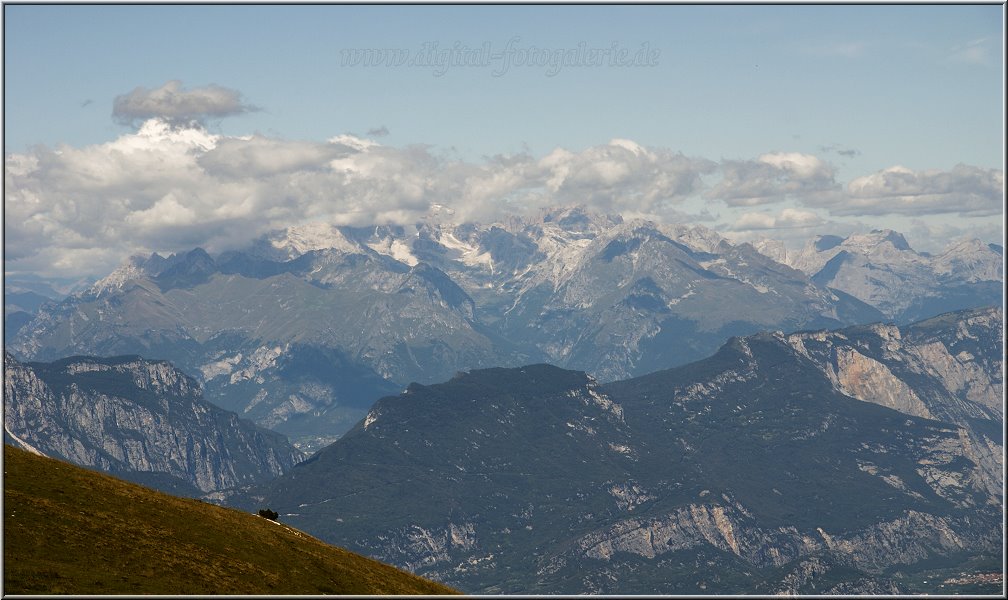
point(865, 378)
point(905, 540)
point(748, 470)
point(815, 575)
point(949, 368)
point(142, 419)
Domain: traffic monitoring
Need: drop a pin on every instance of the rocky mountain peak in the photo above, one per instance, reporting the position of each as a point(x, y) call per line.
point(577, 220)
point(130, 270)
point(970, 260)
point(867, 243)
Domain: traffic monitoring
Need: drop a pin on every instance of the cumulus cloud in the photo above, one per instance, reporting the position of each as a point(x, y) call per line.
point(964, 190)
point(172, 103)
point(793, 227)
point(257, 156)
point(167, 188)
point(622, 175)
point(773, 178)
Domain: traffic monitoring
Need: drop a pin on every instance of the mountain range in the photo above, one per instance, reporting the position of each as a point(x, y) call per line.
point(304, 328)
point(822, 461)
point(861, 460)
point(881, 269)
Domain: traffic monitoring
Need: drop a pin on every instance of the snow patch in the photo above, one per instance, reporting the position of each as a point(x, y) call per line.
point(23, 443)
point(299, 239)
point(397, 249)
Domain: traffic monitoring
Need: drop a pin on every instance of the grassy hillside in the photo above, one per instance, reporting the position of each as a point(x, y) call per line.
point(68, 530)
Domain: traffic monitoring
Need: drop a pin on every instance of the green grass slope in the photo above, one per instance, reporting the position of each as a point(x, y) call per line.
point(68, 530)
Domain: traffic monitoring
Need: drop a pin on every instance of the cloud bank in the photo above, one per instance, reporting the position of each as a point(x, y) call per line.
point(773, 178)
point(963, 191)
point(171, 185)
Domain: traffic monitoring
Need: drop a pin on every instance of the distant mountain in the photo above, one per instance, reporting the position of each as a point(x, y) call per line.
point(640, 297)
point(69, 530)
point(881, 269)
point(369, 319)
point(818, 462)
point(306, 327)
point(20, 307)
point(142, 420)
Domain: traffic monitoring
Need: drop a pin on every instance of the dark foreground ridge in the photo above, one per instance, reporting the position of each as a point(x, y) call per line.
point(822, 462)
point(68, 530)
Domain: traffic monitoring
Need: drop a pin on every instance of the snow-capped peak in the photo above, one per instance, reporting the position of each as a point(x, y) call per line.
point(159, 131)
point(774, 249)
point(299, 239)
point(697, 237)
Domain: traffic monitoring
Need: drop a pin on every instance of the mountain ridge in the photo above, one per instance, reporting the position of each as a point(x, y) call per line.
point(394, 304)
point(143, 420)
point(753, 463)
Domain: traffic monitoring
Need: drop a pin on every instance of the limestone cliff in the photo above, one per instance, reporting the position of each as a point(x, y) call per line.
point(142, 419)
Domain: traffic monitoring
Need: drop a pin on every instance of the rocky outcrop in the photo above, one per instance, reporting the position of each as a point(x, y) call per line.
point(907, 539)
point(948, 368)
point(815, 575)
point(867, 379)
point(420, 547)
point(142, 419)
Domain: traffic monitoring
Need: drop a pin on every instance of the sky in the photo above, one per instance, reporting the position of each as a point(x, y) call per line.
point(133, 129)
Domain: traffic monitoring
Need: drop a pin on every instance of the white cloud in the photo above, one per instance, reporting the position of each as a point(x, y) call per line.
point(81, 210)
point(622, 175)
point(167, 188)
point(964, 190)
point(786, 219)
point(749, 221)
point(166, 212)
point(257, 156)
point(773, 178)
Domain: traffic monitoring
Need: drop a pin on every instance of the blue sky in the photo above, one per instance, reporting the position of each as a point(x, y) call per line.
point(731, 81)
point(862, 88)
